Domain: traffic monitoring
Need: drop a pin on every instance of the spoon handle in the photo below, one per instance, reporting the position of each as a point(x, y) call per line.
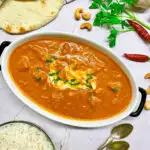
point(109, 140)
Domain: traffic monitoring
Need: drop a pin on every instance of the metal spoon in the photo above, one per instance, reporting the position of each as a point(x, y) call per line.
point(118, 145)
point(119, 132)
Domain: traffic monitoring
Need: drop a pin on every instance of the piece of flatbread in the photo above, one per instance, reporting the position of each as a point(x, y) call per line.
point(20, 16)
point(1, 2)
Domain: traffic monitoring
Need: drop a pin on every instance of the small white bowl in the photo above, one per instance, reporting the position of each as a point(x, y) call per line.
point(89, 124)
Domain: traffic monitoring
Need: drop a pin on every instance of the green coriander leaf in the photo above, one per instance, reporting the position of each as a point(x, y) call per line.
point(55, 73)
point(54, 57)
point(114, 20)
point(98, 1)
point(104, 6)
point(94, 6)
point(49, 61)
point(106, 18)
point(91, 96)
point(66, 81)
point(116, 89)
point(101, 18)
point(124, 24)
point(74, 84)
point(87, 80)
point(116, 8)
point(89, 86)
point(112, 37)
point(56, 80)
point(37, 70)
point(97, 22)
point(109, 2)
point(38, 79)
point(73, 80)
point(129, 2)
point(90, 75)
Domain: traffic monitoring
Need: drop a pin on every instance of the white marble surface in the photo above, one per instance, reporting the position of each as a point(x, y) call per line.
point(70, 138)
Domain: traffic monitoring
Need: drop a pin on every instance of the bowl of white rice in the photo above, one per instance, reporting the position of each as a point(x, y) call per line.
point(22, 135)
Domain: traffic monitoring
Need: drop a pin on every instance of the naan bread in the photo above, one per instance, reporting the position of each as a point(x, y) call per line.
point(20, 16)
point(1, 2)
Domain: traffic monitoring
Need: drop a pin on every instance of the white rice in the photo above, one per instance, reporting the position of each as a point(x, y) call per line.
point(21, 136)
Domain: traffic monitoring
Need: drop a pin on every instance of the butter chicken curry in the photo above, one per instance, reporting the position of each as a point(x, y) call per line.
point(70, 79)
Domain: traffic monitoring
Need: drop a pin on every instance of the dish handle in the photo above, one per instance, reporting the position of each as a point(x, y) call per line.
point(3, 45)
point(141, 105)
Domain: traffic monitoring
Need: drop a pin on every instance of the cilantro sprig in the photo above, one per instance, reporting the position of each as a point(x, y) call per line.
point(113, 14)
point(56, 80)
point(38, 79)
point(116, 88)
point(90, 76)
point(54, 73)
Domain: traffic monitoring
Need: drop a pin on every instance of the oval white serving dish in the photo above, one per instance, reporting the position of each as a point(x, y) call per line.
point(89, 124)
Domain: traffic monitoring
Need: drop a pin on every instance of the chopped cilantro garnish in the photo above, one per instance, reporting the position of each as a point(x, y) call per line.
point(87, 80)
point(89, 77)
point(65, 81)
point(54, 57)
point(55, 73)
point(49, 61)
point(37, 70)
point(89, 86)
point(91, 96)
point(38, 79)
point(74, 84)
point(116, 88)
point(73, 80)
point(56, 80)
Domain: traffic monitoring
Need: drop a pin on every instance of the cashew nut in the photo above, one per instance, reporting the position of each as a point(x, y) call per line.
point(147, 105)
point(147, 76)
point(148, 91)
point(86, 16)
point(77, 13)
point(86, 25)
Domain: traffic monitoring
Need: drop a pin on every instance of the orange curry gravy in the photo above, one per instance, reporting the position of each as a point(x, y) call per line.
point(70, 79)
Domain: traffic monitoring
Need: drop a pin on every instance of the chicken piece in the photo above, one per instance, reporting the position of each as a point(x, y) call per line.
point(66, 59)
point(94, 101)
point(38, 74)
point(69, 48)
point(65, 49)
point(79, 63)
point(41, 52)
point(60, 64)
point(96, 63)
point(23, 64)
point(74, 48)
point(62, 74)
point(99, 91)
point(57, 95)
point(114, 85)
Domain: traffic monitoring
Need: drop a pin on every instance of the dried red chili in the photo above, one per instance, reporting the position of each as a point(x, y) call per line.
point(142, 32)
point(137, 57)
